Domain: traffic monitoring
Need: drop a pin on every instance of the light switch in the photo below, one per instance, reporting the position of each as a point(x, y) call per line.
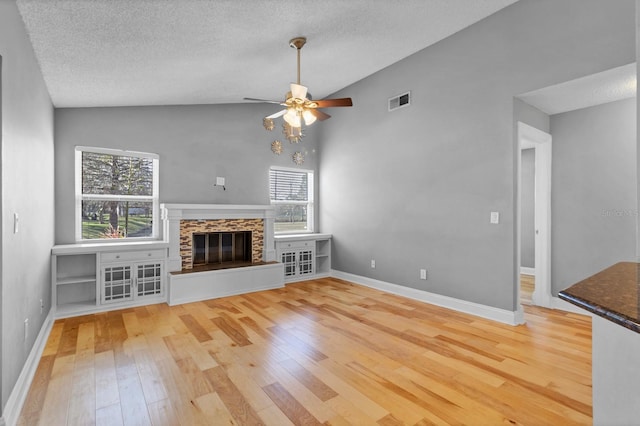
point(495, 217)
point(16, 222)
point(220, 181)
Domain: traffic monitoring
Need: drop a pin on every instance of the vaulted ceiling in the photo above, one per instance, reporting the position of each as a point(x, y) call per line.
point(168, 52)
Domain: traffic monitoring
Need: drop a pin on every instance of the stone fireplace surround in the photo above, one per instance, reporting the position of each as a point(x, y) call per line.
point(188, 227)
point(180, 220)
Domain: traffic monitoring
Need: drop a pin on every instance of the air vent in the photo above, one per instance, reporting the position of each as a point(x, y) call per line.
point(400, 101)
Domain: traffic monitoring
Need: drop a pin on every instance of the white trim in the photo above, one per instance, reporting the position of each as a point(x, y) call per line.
point(310, 203)
point(483, 311)
point(20, 390)
point(530, 137)
point(115, 151)
point(525, 270)
point(154, 198)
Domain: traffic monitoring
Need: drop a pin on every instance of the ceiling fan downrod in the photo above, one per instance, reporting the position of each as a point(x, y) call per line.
point(297, 44)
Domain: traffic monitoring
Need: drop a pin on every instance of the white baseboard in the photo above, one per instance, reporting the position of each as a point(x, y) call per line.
point(483, 311)
point(19, 393)
point(525, 270)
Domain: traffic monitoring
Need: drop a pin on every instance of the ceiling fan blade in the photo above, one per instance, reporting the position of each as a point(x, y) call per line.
point(340, 102)
point(319, 114)
point(298, 91)
point(263, 100)
point(277, 114)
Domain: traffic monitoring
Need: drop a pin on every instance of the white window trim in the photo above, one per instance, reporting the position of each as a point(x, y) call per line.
point(79, 197)
point(310, 203)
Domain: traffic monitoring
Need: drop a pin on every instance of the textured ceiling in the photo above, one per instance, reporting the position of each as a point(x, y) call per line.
point(168, 52)
point(607, 86)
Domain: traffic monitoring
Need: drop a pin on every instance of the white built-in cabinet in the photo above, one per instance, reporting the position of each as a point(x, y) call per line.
point(88, 278)
point(304, 256)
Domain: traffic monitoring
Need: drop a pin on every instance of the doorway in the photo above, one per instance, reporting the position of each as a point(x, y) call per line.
point(530, 138)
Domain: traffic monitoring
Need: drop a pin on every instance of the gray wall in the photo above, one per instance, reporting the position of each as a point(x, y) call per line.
point(195, 144)
point(593, 201)
point(414, 188)
point(527, 205)
point(27, 189)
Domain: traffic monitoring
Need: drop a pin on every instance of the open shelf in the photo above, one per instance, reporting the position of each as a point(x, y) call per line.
point(75, 282)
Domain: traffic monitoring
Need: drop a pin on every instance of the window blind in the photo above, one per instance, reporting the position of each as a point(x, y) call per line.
point(288, 185)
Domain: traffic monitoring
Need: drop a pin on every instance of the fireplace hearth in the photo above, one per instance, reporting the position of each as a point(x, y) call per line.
point(188, 283)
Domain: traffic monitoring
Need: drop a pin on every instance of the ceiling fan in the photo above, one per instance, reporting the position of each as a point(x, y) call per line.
point(298, 103)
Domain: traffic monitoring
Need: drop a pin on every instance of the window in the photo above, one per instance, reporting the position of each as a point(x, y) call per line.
point(116, 194)
point(291, 192)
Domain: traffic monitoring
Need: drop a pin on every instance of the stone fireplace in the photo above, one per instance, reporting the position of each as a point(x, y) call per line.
point(201, 231)
point(181, 221)
point(226, 235)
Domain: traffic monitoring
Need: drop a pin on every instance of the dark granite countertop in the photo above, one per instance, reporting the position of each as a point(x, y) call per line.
point(611, 294)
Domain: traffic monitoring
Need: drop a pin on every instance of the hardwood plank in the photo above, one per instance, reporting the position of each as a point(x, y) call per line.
point(297, 344)
point(323, 351)
point(110, 415)
point(195, 328)
point(107, 392)
point(162, 413)
point(58, 394)
point(82, 404)
point(53, 342)
point(237, 405)
point(232, 329)
point(132, 400)
point(289, 405)
point(196, 378)
point(150, 379)
point(38, 390)
point(311, 382)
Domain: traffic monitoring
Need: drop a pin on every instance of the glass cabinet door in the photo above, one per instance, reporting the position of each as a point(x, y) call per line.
point(288, 259)
point(117, 283)
point(305, 262)
point(148, 279)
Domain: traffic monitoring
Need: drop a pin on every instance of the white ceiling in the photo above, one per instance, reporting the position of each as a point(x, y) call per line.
point(168, 52)
point(607, 86)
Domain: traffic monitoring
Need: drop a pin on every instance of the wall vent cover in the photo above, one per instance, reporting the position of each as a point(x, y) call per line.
point(400, 101)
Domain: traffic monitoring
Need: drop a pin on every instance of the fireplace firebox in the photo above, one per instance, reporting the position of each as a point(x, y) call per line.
point(221, 248)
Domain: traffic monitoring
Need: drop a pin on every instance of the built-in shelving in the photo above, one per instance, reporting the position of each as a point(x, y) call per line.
point(75, 281)
point(305, 256)
point(77, 274)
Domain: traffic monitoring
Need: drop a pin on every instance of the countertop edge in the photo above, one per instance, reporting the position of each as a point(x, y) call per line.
point(600, 311)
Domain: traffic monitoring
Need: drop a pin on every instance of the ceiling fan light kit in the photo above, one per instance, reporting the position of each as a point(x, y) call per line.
point(299, 107)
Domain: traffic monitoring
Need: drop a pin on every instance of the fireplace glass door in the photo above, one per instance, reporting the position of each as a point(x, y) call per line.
point(221, 248)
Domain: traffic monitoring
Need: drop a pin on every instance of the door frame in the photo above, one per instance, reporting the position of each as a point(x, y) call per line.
point(530, 137)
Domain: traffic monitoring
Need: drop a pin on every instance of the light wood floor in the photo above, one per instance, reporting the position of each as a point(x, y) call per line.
point(527, 285)
point(317, 352)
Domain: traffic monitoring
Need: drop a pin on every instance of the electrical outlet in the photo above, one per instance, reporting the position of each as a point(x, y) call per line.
point(373, 264)
point(26, 329)
point(423, 274)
